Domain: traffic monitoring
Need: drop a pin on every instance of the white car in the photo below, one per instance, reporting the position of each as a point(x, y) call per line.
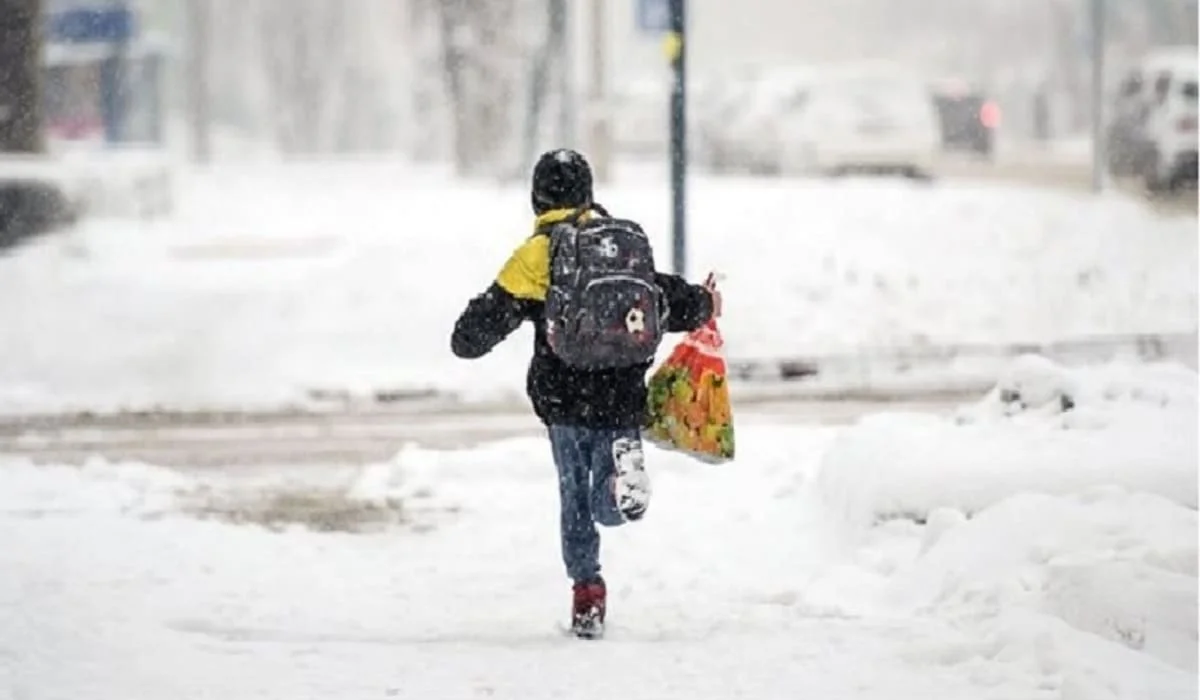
point(1127, 147)
point(1169, 129)
point(756, 131)
point(877, 123)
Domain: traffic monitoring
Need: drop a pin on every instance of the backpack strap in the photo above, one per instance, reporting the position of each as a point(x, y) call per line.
point(572, 218)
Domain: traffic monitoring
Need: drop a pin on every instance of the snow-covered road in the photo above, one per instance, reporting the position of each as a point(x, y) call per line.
point(342, 437)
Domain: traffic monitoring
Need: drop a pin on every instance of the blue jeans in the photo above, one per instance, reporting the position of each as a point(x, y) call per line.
point(586, 466)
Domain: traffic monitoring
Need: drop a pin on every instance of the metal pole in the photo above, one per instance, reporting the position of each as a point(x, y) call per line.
point(677, 48)
point(1098, 152)
point(199, 35)
point(118, 132)
point(599, 93)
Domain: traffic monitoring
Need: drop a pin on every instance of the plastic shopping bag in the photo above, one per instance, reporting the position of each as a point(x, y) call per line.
point(688, 399)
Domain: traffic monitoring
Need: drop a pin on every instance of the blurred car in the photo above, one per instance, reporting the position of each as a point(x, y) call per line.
point(753, 133)
point(967, 119)
point(641, 116)
point(1126, 145)
point(860, 122)
point(1169, 130)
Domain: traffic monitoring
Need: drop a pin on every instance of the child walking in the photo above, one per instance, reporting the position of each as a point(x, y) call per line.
point(599, 308)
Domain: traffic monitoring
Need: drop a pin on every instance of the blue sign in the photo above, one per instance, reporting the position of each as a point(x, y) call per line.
point(90, 25)
point(654, 16)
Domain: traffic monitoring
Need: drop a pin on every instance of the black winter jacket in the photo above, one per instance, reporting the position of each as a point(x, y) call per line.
point(561, 394)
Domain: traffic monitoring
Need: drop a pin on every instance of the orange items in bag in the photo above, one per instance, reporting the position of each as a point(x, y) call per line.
point(688, 399)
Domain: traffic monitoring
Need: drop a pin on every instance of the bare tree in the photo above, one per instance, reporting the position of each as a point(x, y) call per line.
point(427, 100)
point(20, 96)
point(303, 52)
point(481, 71)
point(322, 76)
point(199, 39)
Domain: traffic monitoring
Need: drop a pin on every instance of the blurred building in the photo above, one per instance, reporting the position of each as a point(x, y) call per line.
point(103, 73)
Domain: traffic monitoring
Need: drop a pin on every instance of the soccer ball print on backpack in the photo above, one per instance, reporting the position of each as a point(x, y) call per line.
point(603, 308)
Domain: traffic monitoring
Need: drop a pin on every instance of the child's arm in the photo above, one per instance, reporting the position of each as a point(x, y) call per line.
point(690, 305)
point(488, 319)
point(492, 316)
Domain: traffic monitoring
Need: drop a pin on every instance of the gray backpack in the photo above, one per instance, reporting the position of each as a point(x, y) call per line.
point(603, 307)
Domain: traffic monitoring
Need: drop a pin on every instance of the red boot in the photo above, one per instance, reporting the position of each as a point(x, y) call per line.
point(587, 613)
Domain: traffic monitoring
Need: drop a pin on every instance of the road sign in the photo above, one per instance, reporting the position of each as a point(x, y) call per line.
point(90, 25)
point(654, 16)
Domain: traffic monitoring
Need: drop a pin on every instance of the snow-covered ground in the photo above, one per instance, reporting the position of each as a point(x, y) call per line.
point(1033, 565)
point(272, 281)
point(1118, 415)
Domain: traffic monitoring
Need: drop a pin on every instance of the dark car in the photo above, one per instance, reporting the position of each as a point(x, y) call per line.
point(968, 121)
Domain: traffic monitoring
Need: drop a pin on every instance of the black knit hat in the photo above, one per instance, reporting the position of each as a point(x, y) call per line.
point(562, 179)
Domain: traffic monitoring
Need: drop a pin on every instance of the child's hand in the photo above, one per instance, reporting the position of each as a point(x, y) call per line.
point(710, 283)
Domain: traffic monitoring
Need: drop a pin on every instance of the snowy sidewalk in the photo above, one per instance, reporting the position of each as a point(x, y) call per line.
point(819, 564)
point(707, 599)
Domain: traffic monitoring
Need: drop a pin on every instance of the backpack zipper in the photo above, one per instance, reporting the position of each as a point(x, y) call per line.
point(615, 278)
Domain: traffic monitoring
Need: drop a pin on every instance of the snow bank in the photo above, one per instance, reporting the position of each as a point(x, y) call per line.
point(1043, 428)
point(402, 491)
point(96, 487)
point(272, 284)
point(1056, 525)
point(1098, 590)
